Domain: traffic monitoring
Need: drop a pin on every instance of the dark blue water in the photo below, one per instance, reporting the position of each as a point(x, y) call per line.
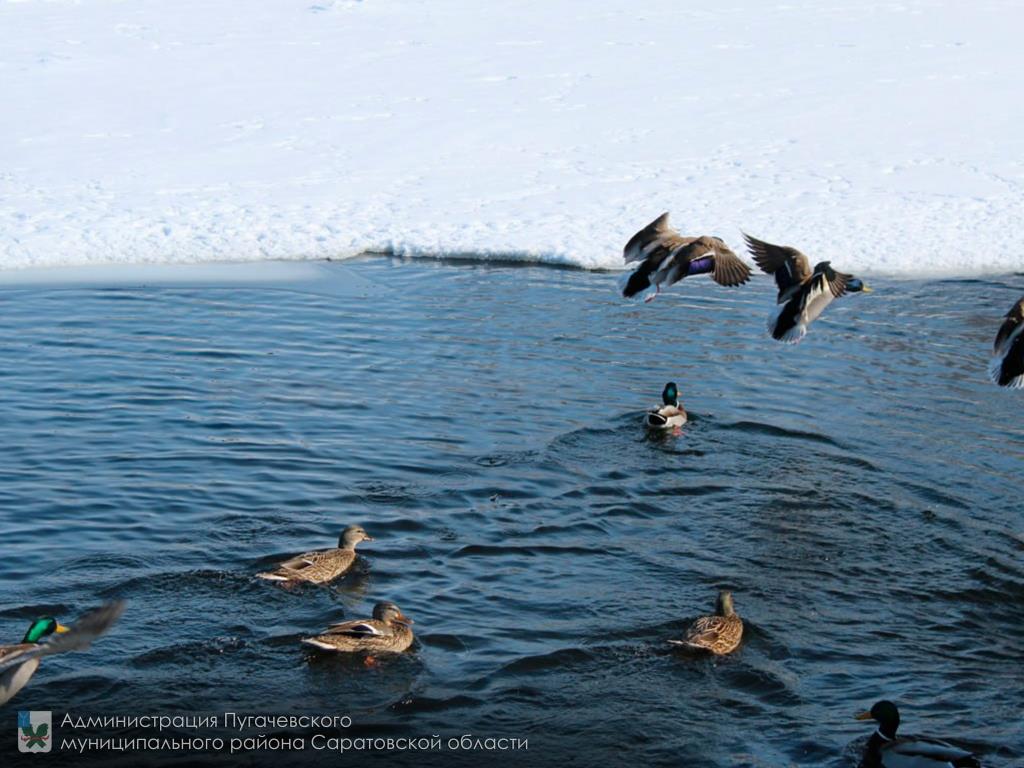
point(860, 493)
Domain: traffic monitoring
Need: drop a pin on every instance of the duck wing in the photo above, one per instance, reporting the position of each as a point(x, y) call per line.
point(923, 752)
point(648, 239)
point(306, 560)
point(78, 637)
point(1005, 331)
point(729, 268)
point(837, 281)
point(726, 267)
point(359, 628)
point(1014, 319)
point(788, 266)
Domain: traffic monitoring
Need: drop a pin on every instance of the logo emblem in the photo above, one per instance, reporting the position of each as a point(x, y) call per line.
point(34, 731)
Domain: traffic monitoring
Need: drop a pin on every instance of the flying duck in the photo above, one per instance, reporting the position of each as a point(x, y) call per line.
point(46, 636)
point(803, 293)
point(887, 750)
point(666, 257)
point(1007, 366)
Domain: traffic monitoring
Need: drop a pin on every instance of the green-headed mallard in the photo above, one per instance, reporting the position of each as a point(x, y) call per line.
point(666, 257)
point(1007, 367)
point(387, 632)
point(718, 634)
point(323, 565)
point(670, 414)
point(46, 636)
point(803, 293)
point(887, 750)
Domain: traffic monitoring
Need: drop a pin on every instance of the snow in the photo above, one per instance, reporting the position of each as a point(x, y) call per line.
point(883, 135)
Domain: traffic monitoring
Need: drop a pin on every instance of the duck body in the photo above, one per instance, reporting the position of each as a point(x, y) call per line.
point(718, 634)
point(19, 662)
point(1007, 366)
point(388, 631)
point(670, 414)
point(321, 566)
point(887, 750)
point(665, 257)
point(803, 293)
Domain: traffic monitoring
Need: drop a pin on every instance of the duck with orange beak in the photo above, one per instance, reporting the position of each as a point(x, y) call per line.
point(46, 636)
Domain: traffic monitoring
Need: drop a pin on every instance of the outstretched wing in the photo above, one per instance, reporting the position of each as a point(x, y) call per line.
point(78, 637)
point(729, 268)
point(647, 239)
point(787, 265)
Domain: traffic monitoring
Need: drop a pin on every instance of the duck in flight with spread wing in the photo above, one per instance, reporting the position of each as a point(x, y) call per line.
point(803, 293)
point(1007, 367)
point(666, 257)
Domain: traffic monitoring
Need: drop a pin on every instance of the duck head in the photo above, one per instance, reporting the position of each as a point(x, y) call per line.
point(43, 627)
point(887, 717)
point(670, 394)
point(856, 285)
point(352, 536)
point(724, 606)
point(390, 613)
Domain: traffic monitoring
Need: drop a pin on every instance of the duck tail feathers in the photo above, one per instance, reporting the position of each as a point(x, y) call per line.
point(638, 281)
point(999, 377)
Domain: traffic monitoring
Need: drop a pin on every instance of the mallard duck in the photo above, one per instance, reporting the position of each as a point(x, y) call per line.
point(1007, 367)
point(47, 636)
point(887, 750)
point(720, 634)
point(803, 293)
point(666, 257)
point(670, 414)
point(387, 632)
point(324, 565)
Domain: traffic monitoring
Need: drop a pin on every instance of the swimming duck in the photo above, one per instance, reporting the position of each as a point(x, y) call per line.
point(46, 636)
point(720, 634)
point(666, 257)
point(324, 565)
point(885, 750)
point(670, 414)
point(388, 631)
point(803, 293)
point(1007, 366)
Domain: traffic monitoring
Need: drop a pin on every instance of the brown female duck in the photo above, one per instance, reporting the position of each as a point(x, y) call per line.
point(324, 565)
point(387, 632)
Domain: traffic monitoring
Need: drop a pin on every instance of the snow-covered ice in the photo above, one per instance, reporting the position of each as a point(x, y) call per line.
point(884, 135)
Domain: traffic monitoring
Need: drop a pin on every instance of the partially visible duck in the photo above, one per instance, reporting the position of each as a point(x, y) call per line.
point(46, 636)
point(887, 750)
point(322, 566)
point(666, 257)
point(718, 634)
point(670, 414)
point(1007, 366)
point(803, 293)
point(387, 632)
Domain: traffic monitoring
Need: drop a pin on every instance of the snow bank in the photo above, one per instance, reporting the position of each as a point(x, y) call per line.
point(884, 135)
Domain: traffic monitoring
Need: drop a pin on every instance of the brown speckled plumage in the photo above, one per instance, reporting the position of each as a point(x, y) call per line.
point(718, 634)
point(387, 632)
point(322, 566)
